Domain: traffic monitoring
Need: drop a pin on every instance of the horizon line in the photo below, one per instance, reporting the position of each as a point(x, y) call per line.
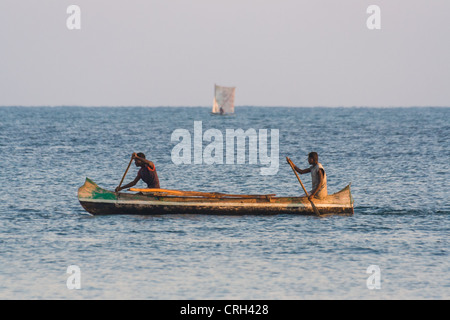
point(240, 106)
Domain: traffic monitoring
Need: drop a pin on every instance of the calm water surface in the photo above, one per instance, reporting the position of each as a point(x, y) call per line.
point(396, 159)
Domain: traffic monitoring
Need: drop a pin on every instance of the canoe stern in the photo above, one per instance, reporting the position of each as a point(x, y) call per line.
point(90, 190)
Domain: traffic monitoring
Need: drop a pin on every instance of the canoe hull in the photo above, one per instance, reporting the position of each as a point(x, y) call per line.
point(98, 201)
point(102, 208)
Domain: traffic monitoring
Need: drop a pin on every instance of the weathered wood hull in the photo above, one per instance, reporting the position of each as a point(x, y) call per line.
point(98, 201)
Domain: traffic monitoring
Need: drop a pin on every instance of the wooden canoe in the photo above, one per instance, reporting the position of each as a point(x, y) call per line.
point(98, 201)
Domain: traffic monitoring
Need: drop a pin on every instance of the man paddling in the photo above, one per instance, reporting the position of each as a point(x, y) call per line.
point(318, 176)
point(147, 173)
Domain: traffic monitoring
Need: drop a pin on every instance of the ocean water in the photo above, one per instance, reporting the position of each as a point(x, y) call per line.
point(397, 160)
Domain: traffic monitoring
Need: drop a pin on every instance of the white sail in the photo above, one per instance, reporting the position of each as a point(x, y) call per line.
point(223, 100)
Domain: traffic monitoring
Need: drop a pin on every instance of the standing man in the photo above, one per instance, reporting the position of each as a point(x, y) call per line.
point(318, 176)
point(147, 173)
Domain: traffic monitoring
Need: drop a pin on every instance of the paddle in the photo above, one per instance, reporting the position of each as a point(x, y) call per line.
point(306, 192)
point(121, 181)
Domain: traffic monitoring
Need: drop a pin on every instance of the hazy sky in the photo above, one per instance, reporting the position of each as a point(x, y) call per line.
point(276, 52)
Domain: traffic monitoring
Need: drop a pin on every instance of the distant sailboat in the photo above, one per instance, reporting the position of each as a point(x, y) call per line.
point(223, 100)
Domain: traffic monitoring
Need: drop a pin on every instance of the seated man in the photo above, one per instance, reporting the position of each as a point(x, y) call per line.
point(147, 173)
point(318, 176)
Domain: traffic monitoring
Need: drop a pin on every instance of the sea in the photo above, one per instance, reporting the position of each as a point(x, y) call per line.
point(395, 246)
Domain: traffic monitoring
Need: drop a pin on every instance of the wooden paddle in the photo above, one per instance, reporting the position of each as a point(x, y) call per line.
point(316, 211)
point(126, 171)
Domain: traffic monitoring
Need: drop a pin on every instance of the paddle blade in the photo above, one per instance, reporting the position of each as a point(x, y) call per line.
point(316, 211)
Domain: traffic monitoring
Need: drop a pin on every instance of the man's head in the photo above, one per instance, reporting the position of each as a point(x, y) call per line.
point(313, 158)
point(137, 162)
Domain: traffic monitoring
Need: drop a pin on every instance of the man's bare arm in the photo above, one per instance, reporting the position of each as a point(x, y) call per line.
point(297, 168)
point(301, 171)
point(131, 184)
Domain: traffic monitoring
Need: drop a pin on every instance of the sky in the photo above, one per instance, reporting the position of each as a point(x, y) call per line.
point(275, 52)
